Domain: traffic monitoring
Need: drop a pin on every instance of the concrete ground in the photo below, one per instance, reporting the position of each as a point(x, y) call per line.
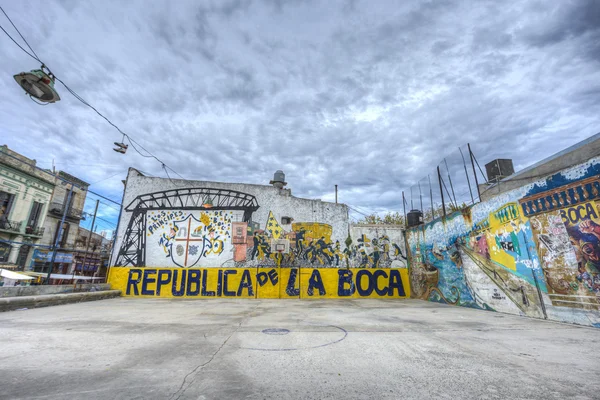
point(286, 349)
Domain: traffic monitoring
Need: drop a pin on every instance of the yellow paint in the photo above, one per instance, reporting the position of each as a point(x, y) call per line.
point(273, 226)
point(268, 290)
point(503, 215)
point(330, 277)
point(503, 220)
point(497, 254)
point(314, 230)
point(266, 283)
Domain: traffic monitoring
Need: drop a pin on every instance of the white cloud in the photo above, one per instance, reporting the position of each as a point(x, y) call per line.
point(366, 95)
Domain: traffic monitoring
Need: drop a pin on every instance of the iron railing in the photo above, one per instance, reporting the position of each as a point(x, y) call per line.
point(58, 208)
point(33, 231)
point(9, 225)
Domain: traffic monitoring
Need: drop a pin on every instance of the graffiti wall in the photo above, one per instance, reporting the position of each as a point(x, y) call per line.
point(174, 233)
point(533, 251)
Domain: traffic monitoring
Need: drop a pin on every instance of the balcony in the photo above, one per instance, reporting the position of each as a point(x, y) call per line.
point(30, 230)
point(12, 226)
point(58, 209)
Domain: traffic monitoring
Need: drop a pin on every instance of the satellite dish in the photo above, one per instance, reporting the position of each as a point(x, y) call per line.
point(39, 85)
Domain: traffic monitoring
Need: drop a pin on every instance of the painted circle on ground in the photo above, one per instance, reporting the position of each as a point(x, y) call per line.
point(276, 331)
point(299, 337)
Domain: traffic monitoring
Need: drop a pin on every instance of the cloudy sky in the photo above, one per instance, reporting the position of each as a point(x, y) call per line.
point(369, 95)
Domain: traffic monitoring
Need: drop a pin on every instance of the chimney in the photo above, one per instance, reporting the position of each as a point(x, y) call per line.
point(278, 179)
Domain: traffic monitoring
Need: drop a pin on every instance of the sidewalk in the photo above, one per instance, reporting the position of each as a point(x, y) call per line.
point(20, 302)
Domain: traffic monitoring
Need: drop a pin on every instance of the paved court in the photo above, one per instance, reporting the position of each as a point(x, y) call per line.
point(288, 349)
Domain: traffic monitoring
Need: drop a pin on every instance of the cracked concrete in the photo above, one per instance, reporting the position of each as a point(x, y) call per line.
point(274, 349)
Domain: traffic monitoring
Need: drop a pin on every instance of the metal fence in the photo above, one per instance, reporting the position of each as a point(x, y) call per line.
point(449, 186)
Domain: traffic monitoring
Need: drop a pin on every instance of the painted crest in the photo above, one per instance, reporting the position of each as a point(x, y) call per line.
point(187, 246)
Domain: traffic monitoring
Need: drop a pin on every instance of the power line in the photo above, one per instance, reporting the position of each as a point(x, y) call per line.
point(102, 219)
point(56, 176)
point(11, 38)
point(355, 210)
point(108, 205)
point(78, 97)
point(30, 48)
point(102, 180)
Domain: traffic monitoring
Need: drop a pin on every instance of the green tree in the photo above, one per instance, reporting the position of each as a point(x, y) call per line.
point(390, 218)
point(396, 218)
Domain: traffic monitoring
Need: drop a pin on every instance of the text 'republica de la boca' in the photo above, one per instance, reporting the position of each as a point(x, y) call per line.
point(260, 282)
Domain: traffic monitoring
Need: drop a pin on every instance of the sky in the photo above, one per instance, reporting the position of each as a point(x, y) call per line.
point(368, 95)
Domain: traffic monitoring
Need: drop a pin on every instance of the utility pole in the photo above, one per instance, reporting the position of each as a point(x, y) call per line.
point(467, 175)
point(441, 191)
point(474, 171)
point(335, 194)
point(451, 186)
point(404, 207)
point(59, 234)
point(431, 197)
point(420, 197)
point(87, 244)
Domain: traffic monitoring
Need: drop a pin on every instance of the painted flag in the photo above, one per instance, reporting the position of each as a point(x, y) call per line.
point(273, 226)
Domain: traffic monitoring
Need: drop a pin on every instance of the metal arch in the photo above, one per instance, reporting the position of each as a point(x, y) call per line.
point(133, 246)
point(192, 198)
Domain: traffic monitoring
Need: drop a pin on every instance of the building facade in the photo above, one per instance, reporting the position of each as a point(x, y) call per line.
point(68, 199)
point(25, 198)
point(91, 253)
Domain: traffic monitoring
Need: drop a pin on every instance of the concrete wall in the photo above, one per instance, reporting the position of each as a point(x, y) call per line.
point(574, 155)
point(533, 251)
point(315, 234)
point(50, 289)
point(26, 302)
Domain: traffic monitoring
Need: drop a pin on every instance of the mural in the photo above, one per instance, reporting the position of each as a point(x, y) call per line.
point(533, 251)
point(310, 244)
point(212, 238)
point(186, 238)
point(204, 242)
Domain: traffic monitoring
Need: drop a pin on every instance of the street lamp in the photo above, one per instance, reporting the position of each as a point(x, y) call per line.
point(38, 84)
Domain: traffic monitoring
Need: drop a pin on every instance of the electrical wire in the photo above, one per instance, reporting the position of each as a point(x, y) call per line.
point(10, 20)
point(101, 219)
point(355, 210)
point(38, 103)
point(11, 38)
point(78, 97)
point(102, 180)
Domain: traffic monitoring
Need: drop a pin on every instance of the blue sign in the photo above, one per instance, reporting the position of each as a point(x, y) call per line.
point(46, 256)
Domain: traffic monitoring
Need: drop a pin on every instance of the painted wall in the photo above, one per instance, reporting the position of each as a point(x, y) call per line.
point(264, 283)
point(252, 228)
point(531, 251)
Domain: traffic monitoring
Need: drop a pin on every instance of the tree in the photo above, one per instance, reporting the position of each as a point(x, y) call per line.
point(396, 218)
point(390, 218)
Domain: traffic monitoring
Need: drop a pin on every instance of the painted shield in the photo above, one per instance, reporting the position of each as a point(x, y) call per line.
point(188, 245)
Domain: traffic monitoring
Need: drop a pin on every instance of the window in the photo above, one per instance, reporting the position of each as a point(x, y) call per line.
point(6, 202)
point(71, 201)
point(34, 216)
point(64, 233)
point(4, 251)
